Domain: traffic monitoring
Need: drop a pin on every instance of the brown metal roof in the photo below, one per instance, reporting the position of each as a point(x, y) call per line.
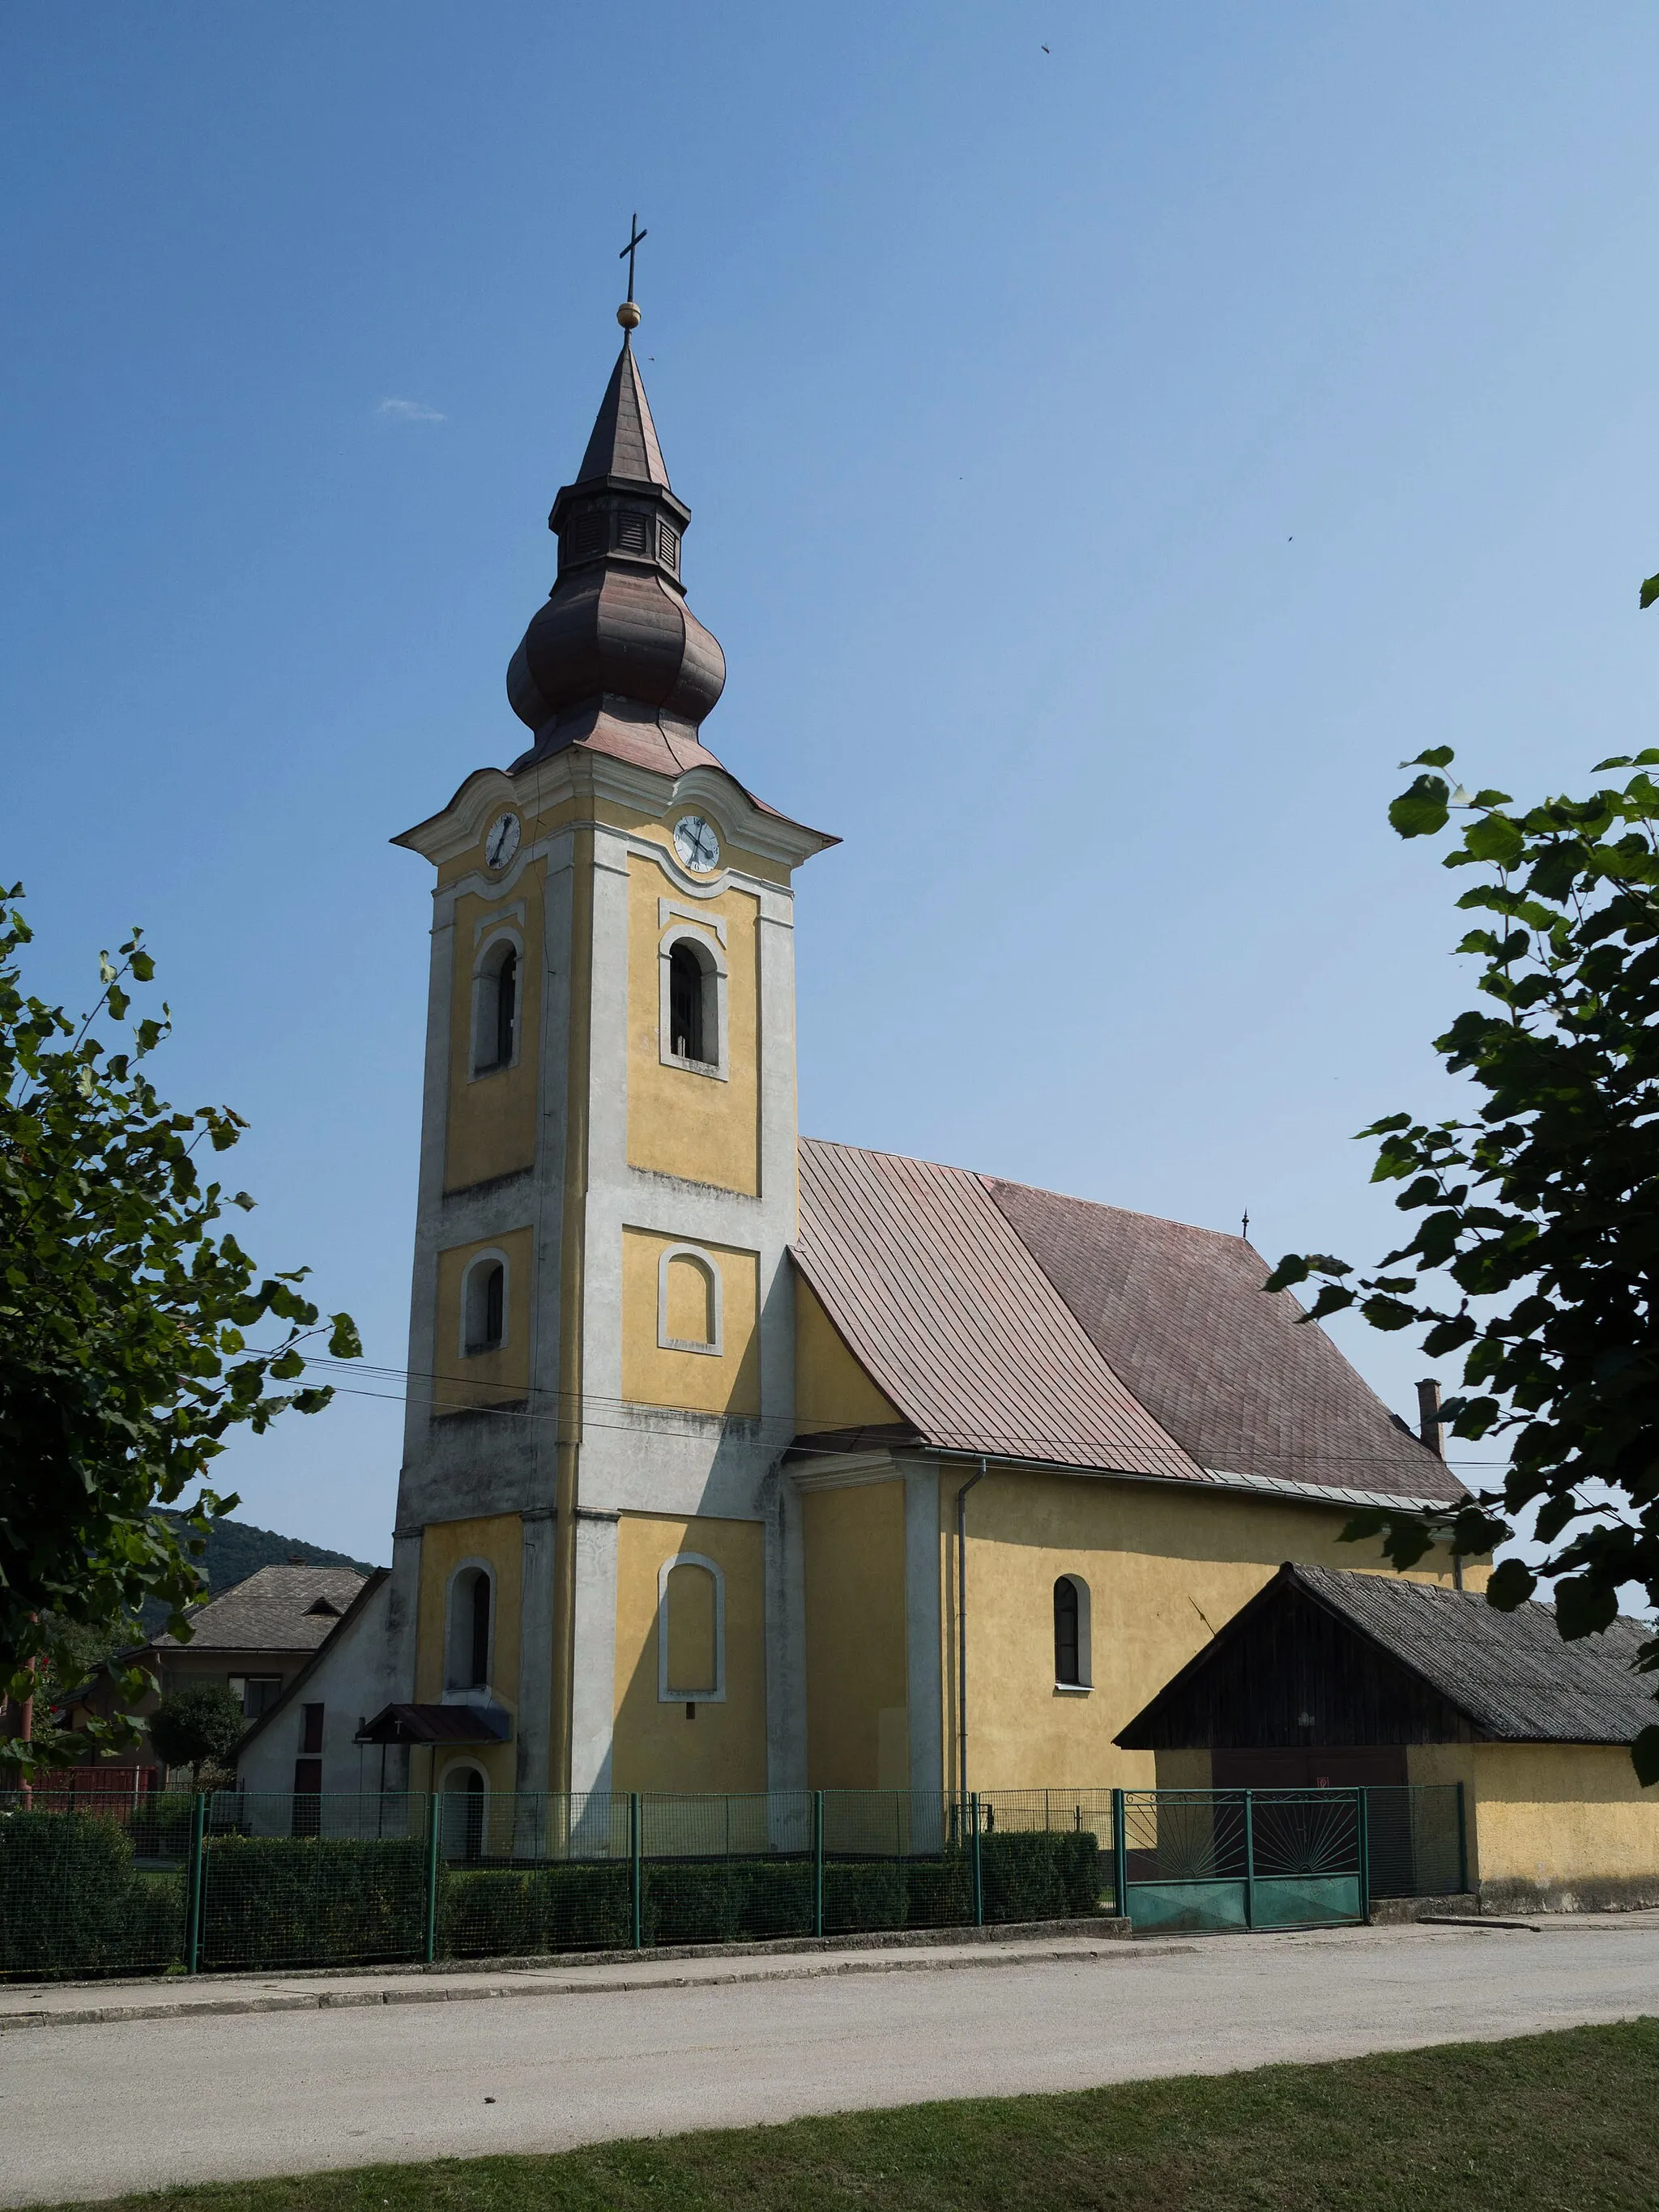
point(1244, 1386)
point(1015, 1321)
point(271, 1611)
point(948, 1312)
point(435, 1725)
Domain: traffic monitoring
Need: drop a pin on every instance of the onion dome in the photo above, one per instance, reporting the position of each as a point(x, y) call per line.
point(616, 643)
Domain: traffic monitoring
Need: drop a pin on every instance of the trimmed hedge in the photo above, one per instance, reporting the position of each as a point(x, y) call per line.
point(72, 1903)
point(315, 1900)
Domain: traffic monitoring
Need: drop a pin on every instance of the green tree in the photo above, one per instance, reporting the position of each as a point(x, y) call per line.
point(124, 1329)
point(1535, 1245)
point(198, 1726)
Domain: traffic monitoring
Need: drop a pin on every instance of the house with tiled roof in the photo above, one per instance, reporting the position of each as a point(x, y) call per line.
point(734, 1461)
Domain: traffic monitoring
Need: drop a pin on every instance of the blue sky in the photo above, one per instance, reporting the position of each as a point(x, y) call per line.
point(1107, 464)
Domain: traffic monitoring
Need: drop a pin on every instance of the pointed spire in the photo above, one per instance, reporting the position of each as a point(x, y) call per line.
point(624, 439)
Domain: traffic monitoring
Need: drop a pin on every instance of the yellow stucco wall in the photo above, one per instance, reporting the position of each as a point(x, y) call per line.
point(680, 1122)
point(483, 1378)
point(857, 1723)
point(1548, 1815)
point(1164, 1570)
point(498, 1540)
point(726, 1381)
point(655, 1745)
point(492, 1117)
point(832, 1391)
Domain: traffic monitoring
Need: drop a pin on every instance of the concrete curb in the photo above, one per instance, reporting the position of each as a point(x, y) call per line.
point(414, 1992)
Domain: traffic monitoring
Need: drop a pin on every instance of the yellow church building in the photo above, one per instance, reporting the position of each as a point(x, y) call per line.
point(735, 1460)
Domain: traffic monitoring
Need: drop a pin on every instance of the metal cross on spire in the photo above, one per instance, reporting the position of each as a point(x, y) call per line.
point(631, 248)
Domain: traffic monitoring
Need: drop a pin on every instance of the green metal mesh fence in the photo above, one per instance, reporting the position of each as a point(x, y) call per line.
point(173, 1881)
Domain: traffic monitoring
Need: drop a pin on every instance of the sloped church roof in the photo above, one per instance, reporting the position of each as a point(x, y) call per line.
point(1016, 1322)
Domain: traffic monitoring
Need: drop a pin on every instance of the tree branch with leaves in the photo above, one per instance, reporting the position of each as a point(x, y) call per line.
point(127, 1320)
point(1535, 1245)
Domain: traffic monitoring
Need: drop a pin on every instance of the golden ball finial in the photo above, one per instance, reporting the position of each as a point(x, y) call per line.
point(629, 315)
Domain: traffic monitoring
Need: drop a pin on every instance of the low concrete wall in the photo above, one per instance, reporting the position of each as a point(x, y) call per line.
point(1606, 1894)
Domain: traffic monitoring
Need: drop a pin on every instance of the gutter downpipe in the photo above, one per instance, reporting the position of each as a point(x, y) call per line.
point(961, 1629)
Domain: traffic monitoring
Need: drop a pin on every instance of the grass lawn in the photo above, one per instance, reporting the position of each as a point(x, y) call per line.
point(1568, 2121)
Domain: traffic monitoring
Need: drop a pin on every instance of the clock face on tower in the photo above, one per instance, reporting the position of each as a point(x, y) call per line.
point(502, 843)
point(696, 844)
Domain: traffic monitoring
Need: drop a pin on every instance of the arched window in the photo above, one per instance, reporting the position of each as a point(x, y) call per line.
point(1072, 1668)
point(691, 1631)
point(686, 1025)
point(485, 1300)
point(689, 1301)
point(467, 1643)
point(495, 1010)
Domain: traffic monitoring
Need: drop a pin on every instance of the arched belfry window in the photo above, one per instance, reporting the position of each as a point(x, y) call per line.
point(686, 1024)
point(484, 1305)
point(1072, 1670)
point(496, 1010)
point(468, 1641)
point(692, 967)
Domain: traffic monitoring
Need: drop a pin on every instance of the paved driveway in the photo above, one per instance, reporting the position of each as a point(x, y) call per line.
point(91, 2109)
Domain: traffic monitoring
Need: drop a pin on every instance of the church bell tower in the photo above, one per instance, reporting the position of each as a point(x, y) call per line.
point(596, 1579)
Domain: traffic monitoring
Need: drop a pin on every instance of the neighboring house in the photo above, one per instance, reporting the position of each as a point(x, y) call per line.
point(305, 1738)
point(1329, 1679)
point(253, 1640)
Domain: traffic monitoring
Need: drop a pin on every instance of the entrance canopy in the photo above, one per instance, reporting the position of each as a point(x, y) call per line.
point(437, 1724)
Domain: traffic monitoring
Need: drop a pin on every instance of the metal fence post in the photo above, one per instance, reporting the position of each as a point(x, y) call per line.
point(1362, 1817)
point(1249, 1859)
point(432, 1841)
point(194, 1886)
point(978, 1871)
point(817, 1862)
point(1119, 1857)
point(1462, 1846)
point(636, 1888)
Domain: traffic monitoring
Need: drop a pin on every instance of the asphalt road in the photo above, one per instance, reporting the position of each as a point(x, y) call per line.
point(91, 2110)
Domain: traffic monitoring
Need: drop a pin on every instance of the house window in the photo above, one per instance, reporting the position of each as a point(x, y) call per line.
point(485, 1305)
point(1072, 1668)
point(258, 1693)
point(310, 1729)
point(691, 1631)
point(685, 1007)
point(495, 1008)
point(471, 1607)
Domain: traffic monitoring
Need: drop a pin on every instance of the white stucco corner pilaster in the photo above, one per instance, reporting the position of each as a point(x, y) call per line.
point(786, 1634)
point(535, 1648)
point(593, 1679)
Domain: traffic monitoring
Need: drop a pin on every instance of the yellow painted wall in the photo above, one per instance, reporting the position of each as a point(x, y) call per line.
point(492, 1117)
point(1550, 1814)
point(857, 1687)
point(1165, 1569)
point(483, 1378)
point(679, 1122)
point(707, 1383)
point(497, 1539)
point(655, 1745)
point(832, 1391)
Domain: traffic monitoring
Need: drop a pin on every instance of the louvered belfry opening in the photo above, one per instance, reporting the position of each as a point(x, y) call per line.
point(507, 1007)
point(685, 1011)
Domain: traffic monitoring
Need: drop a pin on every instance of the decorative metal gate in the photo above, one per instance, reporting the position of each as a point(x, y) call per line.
point(1241, 1858)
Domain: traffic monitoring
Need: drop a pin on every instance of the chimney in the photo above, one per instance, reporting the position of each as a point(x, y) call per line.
point(1428, 1416)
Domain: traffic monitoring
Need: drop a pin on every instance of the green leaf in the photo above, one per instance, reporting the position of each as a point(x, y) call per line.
point(343, 1342)
point(1644, 1756)
point(1495, 837)
point(1436, 756)
point(1422, 809)
point(1512, 1583)
point(1650, 591)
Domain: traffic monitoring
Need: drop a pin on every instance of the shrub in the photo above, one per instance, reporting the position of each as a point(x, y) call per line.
point(1039, 1874)
point(868, 1895)
point(71, 1903)
point(490, 1912)
point(315, 1900)
point(200, 1725)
